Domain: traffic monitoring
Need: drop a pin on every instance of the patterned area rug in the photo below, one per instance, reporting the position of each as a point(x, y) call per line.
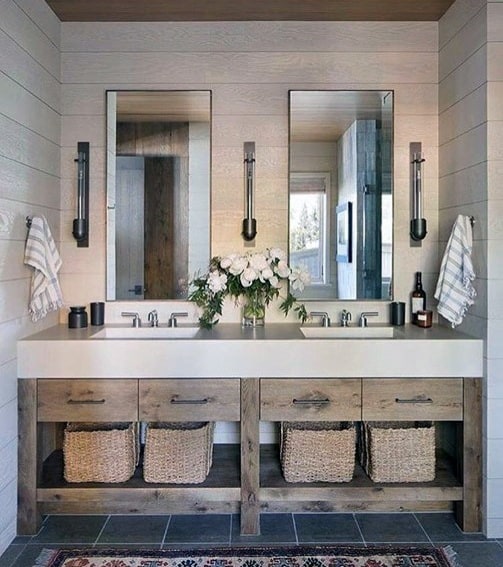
point(343, 556)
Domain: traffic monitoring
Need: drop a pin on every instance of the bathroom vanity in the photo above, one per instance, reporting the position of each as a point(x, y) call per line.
point(247, 376)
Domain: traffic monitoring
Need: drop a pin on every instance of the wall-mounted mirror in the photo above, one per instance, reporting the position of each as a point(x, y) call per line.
point(340, 192)
point(158, 192)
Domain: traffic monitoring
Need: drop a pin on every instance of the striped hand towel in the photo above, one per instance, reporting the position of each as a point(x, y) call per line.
point(41, 254)
point(455, 291)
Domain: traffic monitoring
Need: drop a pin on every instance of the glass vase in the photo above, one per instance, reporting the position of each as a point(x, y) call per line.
point(253, 310)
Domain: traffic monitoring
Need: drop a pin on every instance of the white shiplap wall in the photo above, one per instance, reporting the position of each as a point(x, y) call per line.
point(471, 136)
point(249, 67)
point(29, 185)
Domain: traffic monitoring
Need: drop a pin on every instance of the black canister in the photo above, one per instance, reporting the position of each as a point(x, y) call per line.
point(97, 313)
point(77, 318)
point(397, 311)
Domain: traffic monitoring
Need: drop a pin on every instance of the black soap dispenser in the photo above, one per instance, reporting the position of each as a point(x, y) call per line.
point(77, 318)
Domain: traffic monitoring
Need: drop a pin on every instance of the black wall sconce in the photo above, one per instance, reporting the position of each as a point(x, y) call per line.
point(417, 223)
point(81, 223)
point(249, 223)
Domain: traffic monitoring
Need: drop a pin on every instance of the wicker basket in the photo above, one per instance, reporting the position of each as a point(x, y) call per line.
point(100, 452)
point(179, 453)
point(318, 451)
point(398, 451)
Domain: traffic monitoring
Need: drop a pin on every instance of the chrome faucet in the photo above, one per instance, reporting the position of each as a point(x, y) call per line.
point(153, 318)
point(345, 318)
point(135, 316)
point(325, 319)
point(363, 317)
point(172, 322)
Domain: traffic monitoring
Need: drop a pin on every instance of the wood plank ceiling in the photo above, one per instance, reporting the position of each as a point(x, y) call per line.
point(248, 10)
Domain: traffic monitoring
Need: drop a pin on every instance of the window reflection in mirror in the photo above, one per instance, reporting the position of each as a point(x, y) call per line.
point(340, 192)
point(158, 192)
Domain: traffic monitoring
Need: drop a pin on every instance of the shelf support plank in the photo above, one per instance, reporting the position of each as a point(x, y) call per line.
point(28, 517)
point(250, 456)
point(468, 512)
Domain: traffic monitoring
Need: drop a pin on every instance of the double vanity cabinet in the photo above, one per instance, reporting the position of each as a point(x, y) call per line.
point(248, 376)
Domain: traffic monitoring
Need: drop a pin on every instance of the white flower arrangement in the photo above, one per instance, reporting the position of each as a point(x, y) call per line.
point(255, 277)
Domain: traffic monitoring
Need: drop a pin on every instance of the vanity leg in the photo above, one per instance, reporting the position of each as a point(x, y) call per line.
point(468, 512)
point(250, 456)
point(28, 518)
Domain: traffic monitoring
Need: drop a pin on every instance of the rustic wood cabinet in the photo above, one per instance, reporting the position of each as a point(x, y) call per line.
point(246, 477)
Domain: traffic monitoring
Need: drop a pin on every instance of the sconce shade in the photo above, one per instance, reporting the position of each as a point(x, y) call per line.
point(249, 229)
point(79, 229)
point(418, 229)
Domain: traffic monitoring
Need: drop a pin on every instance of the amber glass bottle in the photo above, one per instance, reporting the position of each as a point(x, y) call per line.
point(418, 298)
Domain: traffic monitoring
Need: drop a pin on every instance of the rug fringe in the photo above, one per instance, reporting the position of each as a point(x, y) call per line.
point(451, 556)
point(45, 557)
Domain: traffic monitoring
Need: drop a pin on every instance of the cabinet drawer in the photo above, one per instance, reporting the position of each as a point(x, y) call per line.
point(87, 400)
point(413, 399)
point(310, 400)
point(189, 400)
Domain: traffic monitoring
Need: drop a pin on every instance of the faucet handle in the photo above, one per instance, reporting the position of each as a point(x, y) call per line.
point(172, 322)
point(345, 318)
point(134, 315)
point(153, 318)
point(364, 315)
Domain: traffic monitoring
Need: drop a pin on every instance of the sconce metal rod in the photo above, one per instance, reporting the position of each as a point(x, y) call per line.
point(418, 223)
point(81, 223)
point(417, 209)
point(249, 223)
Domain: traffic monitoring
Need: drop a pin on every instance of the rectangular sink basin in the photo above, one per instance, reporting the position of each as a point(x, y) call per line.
point(146, 333)
point(373, 332)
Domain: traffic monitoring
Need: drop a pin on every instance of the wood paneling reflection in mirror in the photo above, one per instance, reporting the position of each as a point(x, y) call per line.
point(158, 185)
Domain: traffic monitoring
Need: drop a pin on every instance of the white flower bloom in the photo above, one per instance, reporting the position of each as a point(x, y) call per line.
point(266, 274)
point(299, 278)
point(274, 281)
point(277, 254)
point(282, 269)
point(239, 264)
point(248, 276)
point(258, 262)
point(226, 261)
point(217, 281)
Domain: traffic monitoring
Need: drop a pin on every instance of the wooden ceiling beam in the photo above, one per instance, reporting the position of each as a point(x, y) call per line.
point(246, 10)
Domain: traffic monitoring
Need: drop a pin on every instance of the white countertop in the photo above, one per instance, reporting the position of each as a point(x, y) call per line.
point(229, 351)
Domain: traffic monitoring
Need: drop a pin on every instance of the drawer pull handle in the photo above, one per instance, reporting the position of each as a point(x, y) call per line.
point(307, 402)
point(89, 402)
point(189, 402)
point(414, 401)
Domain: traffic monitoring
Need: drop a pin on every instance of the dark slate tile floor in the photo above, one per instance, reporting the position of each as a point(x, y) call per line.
point(473, 550)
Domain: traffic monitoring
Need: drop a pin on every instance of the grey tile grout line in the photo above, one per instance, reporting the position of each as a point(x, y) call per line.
point(355, 519)
point(101, 531)
point(295, 529)
point(422, 527)
point(163, 540)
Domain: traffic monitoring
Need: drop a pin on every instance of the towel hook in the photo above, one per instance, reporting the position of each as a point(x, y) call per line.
point(28, 221)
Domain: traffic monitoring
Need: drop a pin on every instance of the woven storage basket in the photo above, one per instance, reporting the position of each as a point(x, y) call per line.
point(100, 452)
point(318, 451)
point(179, 453)
point(396, 451)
